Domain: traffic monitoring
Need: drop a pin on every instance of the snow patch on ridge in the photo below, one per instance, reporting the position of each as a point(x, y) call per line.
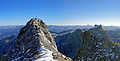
point(46, 55)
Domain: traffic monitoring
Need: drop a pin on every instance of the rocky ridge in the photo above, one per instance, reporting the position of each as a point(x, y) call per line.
point(92, 44)
point(35, 42)
point(96, 46)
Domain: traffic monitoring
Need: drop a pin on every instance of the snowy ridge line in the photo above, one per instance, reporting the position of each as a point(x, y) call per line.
point(46, 55)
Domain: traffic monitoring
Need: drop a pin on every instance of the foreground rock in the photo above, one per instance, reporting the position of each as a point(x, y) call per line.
point(35, 42)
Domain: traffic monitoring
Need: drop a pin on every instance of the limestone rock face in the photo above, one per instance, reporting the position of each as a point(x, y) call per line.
point(35, 42)
point(96, 46)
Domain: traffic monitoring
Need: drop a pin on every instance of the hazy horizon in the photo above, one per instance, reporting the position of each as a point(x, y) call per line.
point(61, 12)
point(63, 25)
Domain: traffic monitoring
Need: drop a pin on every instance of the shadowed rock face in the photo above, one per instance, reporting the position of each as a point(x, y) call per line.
point(92, 44)
point(68, 43)
point(31, 40)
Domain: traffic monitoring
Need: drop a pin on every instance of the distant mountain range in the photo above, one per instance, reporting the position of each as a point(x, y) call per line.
point(112, 31)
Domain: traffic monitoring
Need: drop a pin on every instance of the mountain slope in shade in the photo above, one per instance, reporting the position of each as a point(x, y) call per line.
point(69, 42)
point(92, 44)
point(35, 42)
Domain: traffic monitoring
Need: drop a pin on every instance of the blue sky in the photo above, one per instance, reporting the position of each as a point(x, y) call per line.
point(61, 12)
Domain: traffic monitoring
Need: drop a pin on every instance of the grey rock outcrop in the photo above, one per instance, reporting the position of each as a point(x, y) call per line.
point(96, 46)
point(33, 40)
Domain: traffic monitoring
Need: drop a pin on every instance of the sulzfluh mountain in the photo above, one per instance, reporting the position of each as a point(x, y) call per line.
point(35, 42)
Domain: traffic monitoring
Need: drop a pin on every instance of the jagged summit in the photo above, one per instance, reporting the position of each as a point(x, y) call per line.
point(96, 41)
point(98, 25)
point(35, 21)
point(36, 27)
point(35, 42)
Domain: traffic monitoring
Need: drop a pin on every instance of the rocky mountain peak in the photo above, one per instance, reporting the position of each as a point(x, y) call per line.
point(35, 42)
point(95, 41)
point(99, 26)
point(35, 21)
point(98, 31)
point(38, 29)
